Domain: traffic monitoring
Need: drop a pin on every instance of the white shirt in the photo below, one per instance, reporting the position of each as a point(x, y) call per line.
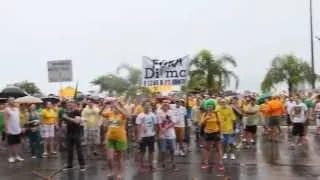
point(298, 113)
point(13, 126)
point(179, 115)
point(289, 106)
point(148, 122)
point(163, 119)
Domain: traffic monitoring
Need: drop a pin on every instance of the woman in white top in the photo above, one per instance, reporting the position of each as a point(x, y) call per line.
point(13, 130)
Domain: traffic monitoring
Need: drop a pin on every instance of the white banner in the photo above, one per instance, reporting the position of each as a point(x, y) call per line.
point(60, 71)
point(165, 72)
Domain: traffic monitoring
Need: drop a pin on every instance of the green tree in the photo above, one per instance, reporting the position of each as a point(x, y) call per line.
point(130, 85)
point(111, 83)
point(212, 72)
point(29, 87)
point(133, 78)
point(287, 69)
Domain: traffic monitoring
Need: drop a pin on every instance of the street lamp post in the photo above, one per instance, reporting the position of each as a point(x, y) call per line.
point(311, 43)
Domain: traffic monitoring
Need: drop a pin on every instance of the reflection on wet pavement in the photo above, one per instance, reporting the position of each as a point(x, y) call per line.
point(267, 161)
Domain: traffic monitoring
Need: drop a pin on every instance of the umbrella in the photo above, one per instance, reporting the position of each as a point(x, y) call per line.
point(263, 97)
point(51, 98)
point(28, 100)
point(12, 91)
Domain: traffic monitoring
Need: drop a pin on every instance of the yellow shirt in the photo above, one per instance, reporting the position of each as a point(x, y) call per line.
point(24, 116)
point(49, 116)
point(116, 126)
point(91, 115)
point(227, 118)
point(211, 123)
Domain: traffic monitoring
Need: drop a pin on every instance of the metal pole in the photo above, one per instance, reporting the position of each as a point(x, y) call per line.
point(311, 44)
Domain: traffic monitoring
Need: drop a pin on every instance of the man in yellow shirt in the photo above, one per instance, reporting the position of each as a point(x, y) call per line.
point(91, 116)
point(228, 120)
point(48, 122)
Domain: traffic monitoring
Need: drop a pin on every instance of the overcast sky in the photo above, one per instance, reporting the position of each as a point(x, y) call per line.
point(100, 35)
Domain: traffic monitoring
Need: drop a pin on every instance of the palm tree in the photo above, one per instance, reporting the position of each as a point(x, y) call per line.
point(289, 69)
point(133, 78)
point(129, 85)
point(111, 83)
point(213, 70)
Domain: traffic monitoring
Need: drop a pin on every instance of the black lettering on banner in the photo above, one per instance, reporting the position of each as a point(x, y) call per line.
point(149, 73)
point(182, 73)
point(171, 74)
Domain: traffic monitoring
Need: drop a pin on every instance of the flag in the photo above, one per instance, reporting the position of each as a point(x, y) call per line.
point(76, 91)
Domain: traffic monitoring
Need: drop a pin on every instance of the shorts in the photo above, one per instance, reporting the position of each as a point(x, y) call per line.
point(147, 142)
point(274, 122)
point(13, 139)
point(251, 129)
point(47, 130)
point(167, 145)
point(92, 136)
point(228, 138)
point(117, 145)
point(212, 136)
point(298, 129)
point(179, 133)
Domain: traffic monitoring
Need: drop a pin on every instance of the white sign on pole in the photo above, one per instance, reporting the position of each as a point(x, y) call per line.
point(165, 72)
point(60, 71)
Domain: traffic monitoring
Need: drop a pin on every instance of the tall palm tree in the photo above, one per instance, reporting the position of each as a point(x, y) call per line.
point(213, 70)
point(289, 69)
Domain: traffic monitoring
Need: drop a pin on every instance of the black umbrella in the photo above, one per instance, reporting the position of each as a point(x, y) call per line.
point(12, 91)
point(51, 98)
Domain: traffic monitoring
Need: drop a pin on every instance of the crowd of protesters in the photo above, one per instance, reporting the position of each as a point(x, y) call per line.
point(220, 124)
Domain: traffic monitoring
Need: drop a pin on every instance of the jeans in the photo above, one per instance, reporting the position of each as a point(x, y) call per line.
point(74, 141)
point(34, 140)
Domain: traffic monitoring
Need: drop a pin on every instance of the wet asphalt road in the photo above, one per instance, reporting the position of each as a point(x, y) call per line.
point(267, 161)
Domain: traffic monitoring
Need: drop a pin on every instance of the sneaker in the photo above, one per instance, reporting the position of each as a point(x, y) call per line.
point(82, 169)
point(19, 158)
point(225, 156)
point(252, 141)
point(34, 157)
point(232, 156)
point(244, 140)
point(45, 154)
point(181, 153)
point(54, 153)
point(204, 166)
point(67, 168)
point(11, 160)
